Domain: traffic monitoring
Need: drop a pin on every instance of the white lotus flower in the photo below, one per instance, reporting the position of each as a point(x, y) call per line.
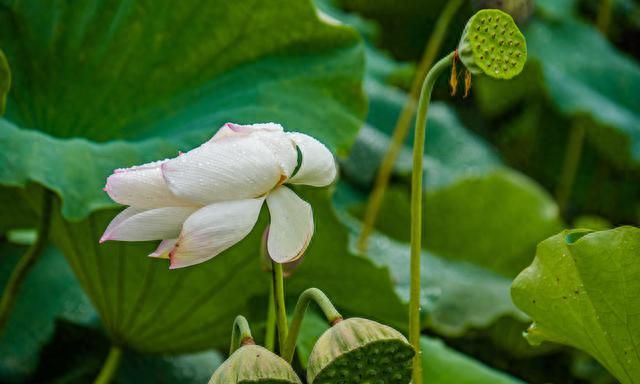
point(208, 199)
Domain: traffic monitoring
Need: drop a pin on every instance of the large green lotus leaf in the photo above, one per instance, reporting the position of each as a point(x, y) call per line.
point(407, 25)
point(557, 8)
point(535, 141)
point(452, 152)
point(493, 220)
point(147, 307)
point(90, 347)
point(456, 296)
point(380, 66)
point(19, 208)
point(50, 291)
point(441, 364)
point(532, 136)
point(162, 76)
point(602, 90)
point(583, 289)
point(195, 368)
point(349, 280)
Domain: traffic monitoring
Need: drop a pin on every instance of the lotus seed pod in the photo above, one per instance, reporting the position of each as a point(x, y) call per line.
point(492, 44)
point(520, 10)
point(254, 364)
point(360, 351)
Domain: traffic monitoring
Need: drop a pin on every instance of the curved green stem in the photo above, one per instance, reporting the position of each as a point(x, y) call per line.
point(404, 122)
point(281, 310)
point(416, 210)
point(270, 334)
point(26, 261)
point(110, 366)
point(330, 312)
point(573, 154)
point(241, 334)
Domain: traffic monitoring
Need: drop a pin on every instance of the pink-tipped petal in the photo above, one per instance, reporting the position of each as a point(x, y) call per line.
point(165, 246)
point(291, 226)
point(270, 134)
point(213, 229)
point(134, 224)
point(142, 186)
point(235, 168)
point(318, 166)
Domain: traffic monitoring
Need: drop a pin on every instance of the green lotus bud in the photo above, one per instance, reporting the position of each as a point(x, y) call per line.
point(250, 363)
point(492, 44)
point(520, 10)
point(254, 364)
point(360, 351)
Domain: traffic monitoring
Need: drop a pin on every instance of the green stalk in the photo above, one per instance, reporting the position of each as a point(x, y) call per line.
point(572, 156)
point(281, 311)
point(416, 210)
point(110, 366)
point(270, 334)
point(27, 260)
point(240, 335)
point(330, 312)
point(404, 122)
point(604, 15)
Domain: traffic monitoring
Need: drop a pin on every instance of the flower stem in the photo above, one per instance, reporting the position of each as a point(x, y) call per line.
point(110, 366)
point(573, 154)
point(404, 122)
point(281, 311)
point(416, 210)
point(270, 334)
point(27, 260)
point(241, 334)
point(330, 312)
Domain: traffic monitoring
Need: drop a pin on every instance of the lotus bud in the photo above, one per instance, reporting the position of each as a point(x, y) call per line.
point(250, 363)
point(492, 44)
point(254, 364)
point(360, 351)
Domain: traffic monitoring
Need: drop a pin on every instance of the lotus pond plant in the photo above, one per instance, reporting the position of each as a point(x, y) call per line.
point(204, 201)
point(198, 215)
point(491, 45)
